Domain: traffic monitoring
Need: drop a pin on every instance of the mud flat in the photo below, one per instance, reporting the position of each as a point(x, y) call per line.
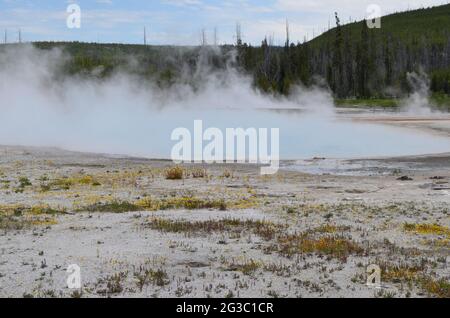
point(135, 229)
point(437, 123)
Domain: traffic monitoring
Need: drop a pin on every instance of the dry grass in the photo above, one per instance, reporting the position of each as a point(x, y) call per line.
point(144, 276)
point(286, 245)
point(111, 207)
point(264, 229)
point(56, 185)
point(11, 222)
point(247, 267)
point(114, 284)
point(403, 273)
point(329, 228)
point(18, 217)
point(243, 203)
point(174, 173)
point(189, 203)
point(400, 272)
point(227, 174)
point(66, 183)
point(439, 288)
point(438, 243)
point(198, 173)
point(430, 229)
point(45, 210)
point(334, 246)
point(44, 221)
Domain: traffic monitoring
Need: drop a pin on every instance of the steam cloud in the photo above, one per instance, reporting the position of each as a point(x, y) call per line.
point(121, 114)
point(418, 103)
point(125, 115)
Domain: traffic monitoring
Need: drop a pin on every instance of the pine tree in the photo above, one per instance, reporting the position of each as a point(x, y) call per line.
point(338, 67)
point(363, 62)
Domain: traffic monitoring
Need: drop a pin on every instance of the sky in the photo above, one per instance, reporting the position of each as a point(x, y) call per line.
point(180, 22)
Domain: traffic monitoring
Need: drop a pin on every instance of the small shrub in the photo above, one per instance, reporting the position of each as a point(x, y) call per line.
point(247, 267)
point(45, 187)
point(226, 174)
point(39, 210)
point(61, 184)
point(114, 284)
point(24, 182)
point(400, 272)
point(86, 180)
point(439, 288)
point(290, 210)
point(174, 173)
point(199, 173)
point(157, 277)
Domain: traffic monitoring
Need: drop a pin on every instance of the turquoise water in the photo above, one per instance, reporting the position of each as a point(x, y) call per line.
point(148, 133)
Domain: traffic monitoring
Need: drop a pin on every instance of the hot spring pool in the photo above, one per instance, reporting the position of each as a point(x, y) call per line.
point(148, 133)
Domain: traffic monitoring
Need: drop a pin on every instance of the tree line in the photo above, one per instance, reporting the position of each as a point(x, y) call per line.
point(353, 60)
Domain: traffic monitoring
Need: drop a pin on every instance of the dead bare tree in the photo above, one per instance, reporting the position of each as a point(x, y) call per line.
point(203, 36)
point(145, 36)
point(238, 34)
point(288, 42)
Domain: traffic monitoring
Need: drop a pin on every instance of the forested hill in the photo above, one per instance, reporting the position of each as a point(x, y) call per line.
point(355, 61)
point(362, 62)
point(432, 23)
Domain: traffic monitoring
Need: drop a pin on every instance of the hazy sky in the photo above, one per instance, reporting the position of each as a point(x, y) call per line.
point(181, 21)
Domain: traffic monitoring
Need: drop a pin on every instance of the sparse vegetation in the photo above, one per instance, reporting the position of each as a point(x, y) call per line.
point(415, 274)
point(45, 209)
point(334, 246)
point(288, 243)
point(439, 288)
point(58, 184)
point(400, 272)
point(114, 284)
point(433, 229)
point(329, 228)
point(264, 229)
point(189, 203)
point(247, 267)
point(17, 217)
point(112, 207)
point(147, 275)
point(10, 222)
